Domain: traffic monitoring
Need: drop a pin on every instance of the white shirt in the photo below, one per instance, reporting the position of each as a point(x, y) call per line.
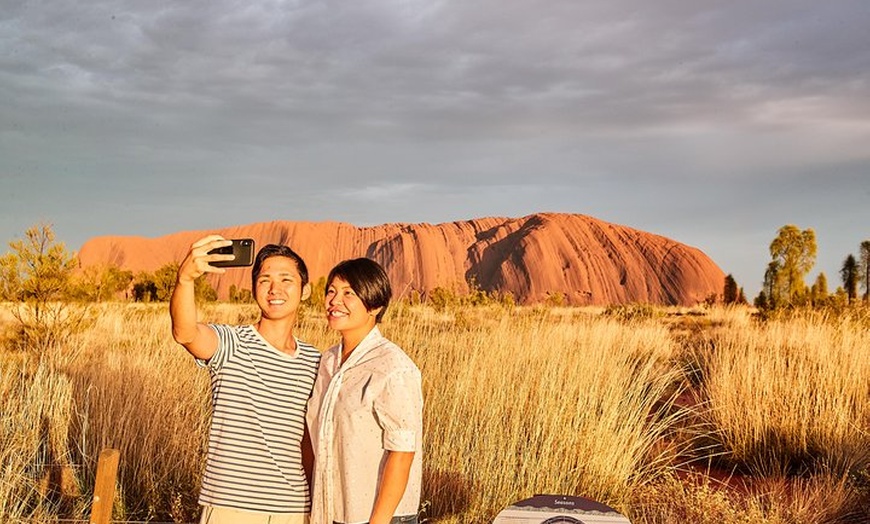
point(358, 411)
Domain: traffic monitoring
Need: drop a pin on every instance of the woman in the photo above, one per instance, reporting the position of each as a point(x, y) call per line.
point(365, 414)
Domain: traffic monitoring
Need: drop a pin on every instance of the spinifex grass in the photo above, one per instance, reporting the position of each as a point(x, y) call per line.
point(791, 397)
point(518, 401)
point(525, 404)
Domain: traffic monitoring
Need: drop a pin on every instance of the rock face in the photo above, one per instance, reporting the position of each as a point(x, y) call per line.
point(588, 261)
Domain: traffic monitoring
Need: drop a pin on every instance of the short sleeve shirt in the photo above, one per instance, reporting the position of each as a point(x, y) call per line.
point(259, 398)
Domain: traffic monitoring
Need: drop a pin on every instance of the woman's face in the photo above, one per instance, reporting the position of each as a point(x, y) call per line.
point(345, 311)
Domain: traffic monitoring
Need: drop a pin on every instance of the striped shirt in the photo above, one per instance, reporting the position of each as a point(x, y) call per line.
point(259, 398)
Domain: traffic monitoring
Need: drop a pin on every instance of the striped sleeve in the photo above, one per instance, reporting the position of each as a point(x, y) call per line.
point(227, 342)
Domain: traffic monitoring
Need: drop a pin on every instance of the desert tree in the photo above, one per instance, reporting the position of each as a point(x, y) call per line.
point(819, 290)
point(164, 279)
point(864, 261)
point(772, 288)
point(731, 292)
point(795, 252)
point(850, 276)
point(158, 286)
point(37, 277)
point(98, 283)
point(761, 301)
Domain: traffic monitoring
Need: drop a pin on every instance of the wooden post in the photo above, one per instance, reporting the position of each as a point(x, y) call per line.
point(104, 486)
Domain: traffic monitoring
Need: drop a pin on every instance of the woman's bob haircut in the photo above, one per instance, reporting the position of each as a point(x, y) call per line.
point(368, 280)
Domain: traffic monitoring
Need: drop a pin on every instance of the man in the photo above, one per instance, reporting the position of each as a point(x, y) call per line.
point(261, 379)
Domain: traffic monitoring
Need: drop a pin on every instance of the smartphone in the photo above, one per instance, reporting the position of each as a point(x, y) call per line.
point(242, 251)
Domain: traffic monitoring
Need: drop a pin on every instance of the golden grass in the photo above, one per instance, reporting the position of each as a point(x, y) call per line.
point(791, 397)
point(518, 405)
point(518, 402)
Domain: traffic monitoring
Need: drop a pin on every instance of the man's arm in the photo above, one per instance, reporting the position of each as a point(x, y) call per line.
point(394, 480)
point(200, 340)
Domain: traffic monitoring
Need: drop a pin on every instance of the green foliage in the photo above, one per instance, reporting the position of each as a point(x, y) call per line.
point(202, 291)
point(240, 295)
point(864, 267)
point(414, 298)
point(38, 268)
point(850, 276)
point(164, 281)
point(144, 288)
point(730, 292)
point(794, 253)
point(630, 312)
point(442, 298)
point(761, 301)
point(840, 296)
point(506, 299)
point(100, 283)
point(556, 299)
point(37, 275)
point(819, 290)
point(158, 286)
point(772, 287)
point(477, 296)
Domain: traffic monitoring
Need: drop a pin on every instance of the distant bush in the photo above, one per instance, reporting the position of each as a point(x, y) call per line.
point(100, 283)
point(240, 295)
point(442, 298)
point(158, 286)
point(629, 312)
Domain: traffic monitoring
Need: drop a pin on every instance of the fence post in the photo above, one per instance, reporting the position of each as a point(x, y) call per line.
point(104, 487)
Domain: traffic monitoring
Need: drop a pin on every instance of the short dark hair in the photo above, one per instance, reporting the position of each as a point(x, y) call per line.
point(275, 250)
point(368, 280)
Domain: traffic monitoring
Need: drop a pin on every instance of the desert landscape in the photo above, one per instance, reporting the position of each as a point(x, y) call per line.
point(666, 414)
point(666, 411)
point(627, 240)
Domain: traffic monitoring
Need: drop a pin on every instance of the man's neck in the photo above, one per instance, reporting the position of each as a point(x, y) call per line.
point(279, 333)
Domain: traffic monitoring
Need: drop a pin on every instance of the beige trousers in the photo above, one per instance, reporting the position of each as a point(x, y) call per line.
point(213, 515)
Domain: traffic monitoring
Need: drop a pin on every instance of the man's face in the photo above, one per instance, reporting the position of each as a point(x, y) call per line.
point(279, 288)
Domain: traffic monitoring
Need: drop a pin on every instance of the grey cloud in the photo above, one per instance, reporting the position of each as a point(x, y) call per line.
point(481, 69)
point(639, 112)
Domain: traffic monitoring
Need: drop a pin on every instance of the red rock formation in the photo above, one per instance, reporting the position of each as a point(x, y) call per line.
point(589, 261)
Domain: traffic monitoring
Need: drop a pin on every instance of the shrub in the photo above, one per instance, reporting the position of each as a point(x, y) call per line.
point(37, 277)
point(629, 312)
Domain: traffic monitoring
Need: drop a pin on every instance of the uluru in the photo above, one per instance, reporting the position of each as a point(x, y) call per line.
point(585, 260)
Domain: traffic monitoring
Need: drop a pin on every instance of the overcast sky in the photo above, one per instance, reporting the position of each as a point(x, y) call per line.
point(711, 123)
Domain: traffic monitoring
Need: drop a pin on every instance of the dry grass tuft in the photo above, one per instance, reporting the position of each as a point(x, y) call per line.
point(518, 401)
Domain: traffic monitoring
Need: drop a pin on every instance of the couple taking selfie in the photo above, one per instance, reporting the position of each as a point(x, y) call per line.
point(346, 423)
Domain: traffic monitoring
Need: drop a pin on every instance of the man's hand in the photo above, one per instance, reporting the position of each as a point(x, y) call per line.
point(196, 263)
point(200, 340)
